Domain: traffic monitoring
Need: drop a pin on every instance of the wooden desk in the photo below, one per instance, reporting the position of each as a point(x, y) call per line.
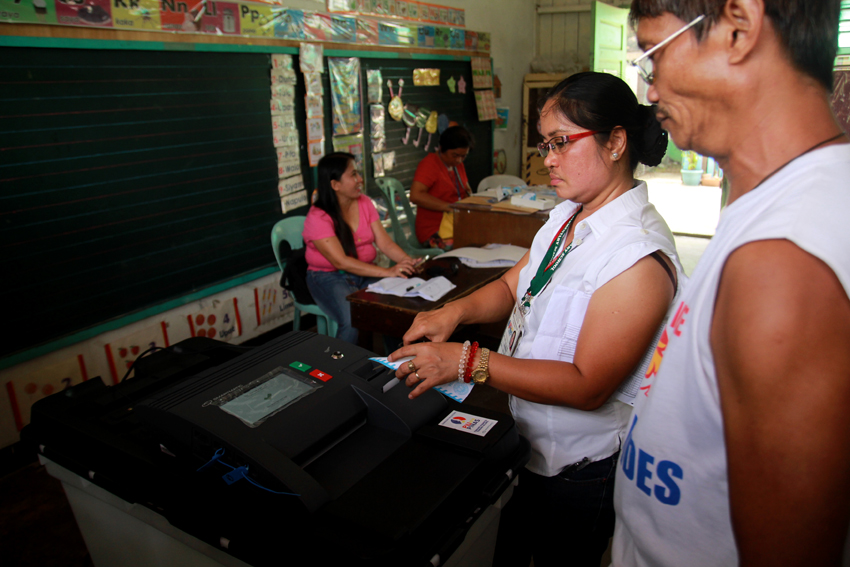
point(392, 316)
point(479, 225)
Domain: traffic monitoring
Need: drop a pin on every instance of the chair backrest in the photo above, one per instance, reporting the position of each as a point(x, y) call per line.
point(500, 181)
point(393, 191)
point(288, 229)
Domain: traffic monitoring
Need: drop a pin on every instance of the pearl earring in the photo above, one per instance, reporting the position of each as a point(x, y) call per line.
point(615, 155)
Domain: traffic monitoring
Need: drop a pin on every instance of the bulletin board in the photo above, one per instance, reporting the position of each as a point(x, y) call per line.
point(456, 106)
point(131, 178)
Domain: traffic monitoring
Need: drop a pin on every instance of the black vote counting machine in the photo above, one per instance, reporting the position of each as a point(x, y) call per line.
point(300, 451)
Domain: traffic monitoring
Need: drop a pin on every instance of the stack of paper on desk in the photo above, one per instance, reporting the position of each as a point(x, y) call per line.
point(490, 256)
point(432, 290)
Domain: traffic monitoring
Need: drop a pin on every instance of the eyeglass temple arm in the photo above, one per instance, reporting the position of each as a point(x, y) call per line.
point(668, 40)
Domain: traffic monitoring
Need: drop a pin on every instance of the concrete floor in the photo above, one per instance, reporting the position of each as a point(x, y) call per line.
point(691, 212)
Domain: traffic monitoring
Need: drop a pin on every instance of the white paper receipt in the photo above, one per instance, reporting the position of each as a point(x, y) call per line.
point(469, 423)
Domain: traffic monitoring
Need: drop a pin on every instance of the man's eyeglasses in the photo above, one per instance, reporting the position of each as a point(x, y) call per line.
point(559, 143)
point(644, 64)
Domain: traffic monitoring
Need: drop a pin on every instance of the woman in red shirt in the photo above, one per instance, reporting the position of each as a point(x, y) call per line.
point(439, 181)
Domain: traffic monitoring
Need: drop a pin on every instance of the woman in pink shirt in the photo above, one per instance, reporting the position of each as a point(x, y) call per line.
point(341, 231)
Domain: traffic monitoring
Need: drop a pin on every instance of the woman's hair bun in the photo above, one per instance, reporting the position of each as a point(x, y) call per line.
point(651, 144)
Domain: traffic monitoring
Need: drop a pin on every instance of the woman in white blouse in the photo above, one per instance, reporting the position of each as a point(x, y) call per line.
point(584, 304)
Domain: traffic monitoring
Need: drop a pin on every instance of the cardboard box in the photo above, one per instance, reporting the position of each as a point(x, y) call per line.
point(536, 173)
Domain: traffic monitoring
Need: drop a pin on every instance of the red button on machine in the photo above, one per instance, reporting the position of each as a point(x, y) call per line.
point(320, 375)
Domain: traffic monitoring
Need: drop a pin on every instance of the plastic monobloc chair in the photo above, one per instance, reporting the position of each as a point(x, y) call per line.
point(290, 230)
point(392, 189)
point(500, 181)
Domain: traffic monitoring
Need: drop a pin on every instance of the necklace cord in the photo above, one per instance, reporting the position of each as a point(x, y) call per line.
point(813, 148)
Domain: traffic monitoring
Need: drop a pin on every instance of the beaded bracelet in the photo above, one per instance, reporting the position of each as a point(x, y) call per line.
point(461, 366)
point(467, 376)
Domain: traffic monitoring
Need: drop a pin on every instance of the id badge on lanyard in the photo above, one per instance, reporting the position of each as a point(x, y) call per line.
point(513, 332)
point(516, 324)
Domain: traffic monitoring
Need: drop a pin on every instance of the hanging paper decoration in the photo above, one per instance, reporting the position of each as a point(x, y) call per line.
point(377, 120)
point(378, 165)
point(431, 127)
point(482, 73)
point(461, 85)
point(353, 145)
point(374, 80)
point(284, 128)
point(409, 119)
point(426, 77)
point(451, 83)
point(421, 118)
point(389, 161)
point(285, 133)
point(486, 103)
point(345, 94)
point(396, 107)
point(314, 106)
point(310, 57)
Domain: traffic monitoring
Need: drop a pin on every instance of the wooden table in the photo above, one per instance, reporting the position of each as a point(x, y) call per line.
point(478, 225)
point(392, 316)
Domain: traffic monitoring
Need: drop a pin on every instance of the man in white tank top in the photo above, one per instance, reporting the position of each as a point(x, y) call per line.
point(739, 451)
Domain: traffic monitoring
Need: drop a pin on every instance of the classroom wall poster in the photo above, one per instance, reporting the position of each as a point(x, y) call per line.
point(486, 103)
point(122, 352)
point(216, 319)
point(290, 185)
point(272, 304)
point(352, 144)
point(345, 94)
point(482, 73)
point(256, 18)
point(294, 201)
point(24, 391)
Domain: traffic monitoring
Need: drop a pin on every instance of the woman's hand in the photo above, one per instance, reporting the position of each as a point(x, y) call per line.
point(403, 269)
point(436, 326)
point(433, 364)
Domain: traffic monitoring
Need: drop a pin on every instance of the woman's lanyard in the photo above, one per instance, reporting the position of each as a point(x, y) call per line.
point(457, 182)
point(548, 265)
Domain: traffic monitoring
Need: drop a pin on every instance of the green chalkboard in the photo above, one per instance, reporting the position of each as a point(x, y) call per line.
point(128, 178)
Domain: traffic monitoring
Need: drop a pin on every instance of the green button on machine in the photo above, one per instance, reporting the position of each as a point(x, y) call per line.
point(300, 366)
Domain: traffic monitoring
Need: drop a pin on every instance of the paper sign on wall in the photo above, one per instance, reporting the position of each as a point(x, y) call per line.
point(220, 320)
point(26, 390)
point(121, 353)
point(272, 304)
point(294, 201)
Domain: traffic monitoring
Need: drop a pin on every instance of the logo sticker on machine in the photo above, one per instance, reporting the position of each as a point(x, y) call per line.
point(468, 423)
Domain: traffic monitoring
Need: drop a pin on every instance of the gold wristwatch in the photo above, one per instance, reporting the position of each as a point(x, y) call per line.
point(482, 372)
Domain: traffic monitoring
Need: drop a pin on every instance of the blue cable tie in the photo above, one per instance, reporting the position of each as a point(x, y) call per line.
point(236, 474)
point(217, 456)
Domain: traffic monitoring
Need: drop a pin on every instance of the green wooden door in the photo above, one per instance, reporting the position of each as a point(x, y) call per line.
point(610, 29)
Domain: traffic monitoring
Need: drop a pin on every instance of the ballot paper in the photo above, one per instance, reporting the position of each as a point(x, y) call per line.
point(458, 391)
point(490, 256)
point(431, 290)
